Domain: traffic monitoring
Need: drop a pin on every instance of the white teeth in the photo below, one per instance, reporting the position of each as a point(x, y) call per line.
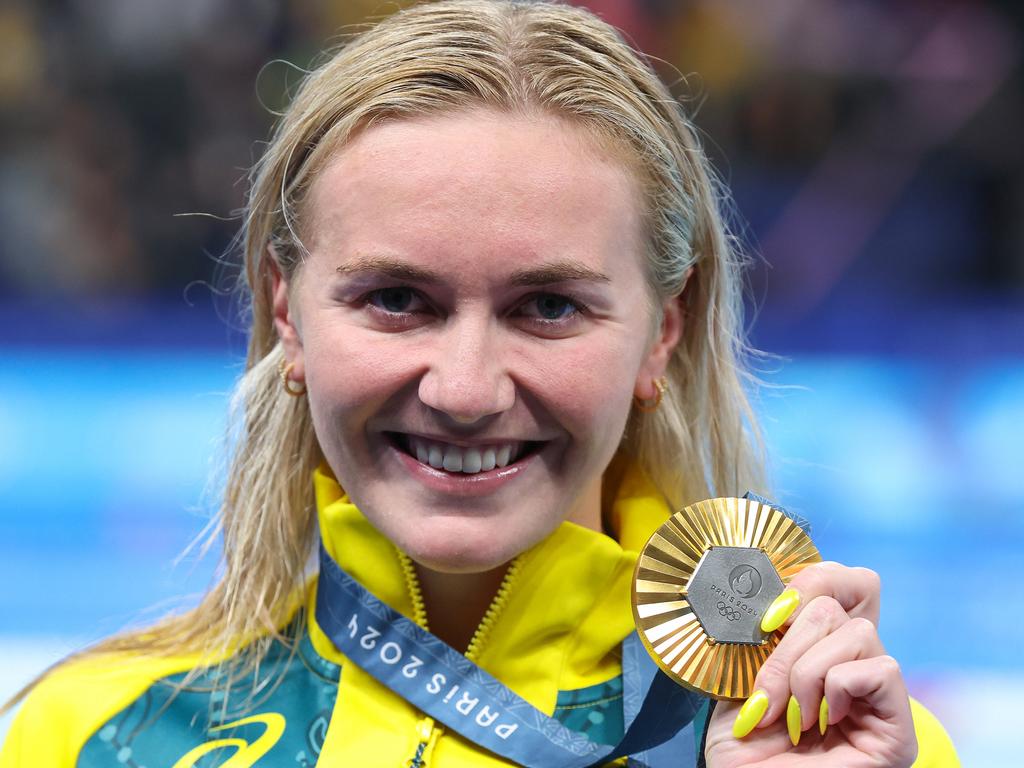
point(503, 455)
point(453, 458)
point(487, 460)
point(435, 457)
point(471, 461)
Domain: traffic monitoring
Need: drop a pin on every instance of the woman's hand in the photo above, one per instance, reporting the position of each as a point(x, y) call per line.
point(829, 673)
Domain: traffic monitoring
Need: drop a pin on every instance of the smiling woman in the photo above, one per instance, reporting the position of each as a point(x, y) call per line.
point(494, 344)
point(514, 273)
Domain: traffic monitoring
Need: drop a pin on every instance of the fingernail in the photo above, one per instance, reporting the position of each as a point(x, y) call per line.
point(823, 715)
point(750, 714)
point(780, 610)
point(793, 720)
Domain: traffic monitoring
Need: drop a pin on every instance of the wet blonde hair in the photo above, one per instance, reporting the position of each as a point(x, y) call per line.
point(517, 57)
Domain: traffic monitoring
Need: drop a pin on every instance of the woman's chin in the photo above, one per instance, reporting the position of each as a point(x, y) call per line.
point(462, 559)
point(457, 549)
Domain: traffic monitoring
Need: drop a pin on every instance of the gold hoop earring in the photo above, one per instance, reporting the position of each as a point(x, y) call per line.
point(285, 369)
point(651, 405)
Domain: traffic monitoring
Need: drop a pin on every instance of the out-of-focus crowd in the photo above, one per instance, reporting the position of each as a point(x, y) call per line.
point(868, 144)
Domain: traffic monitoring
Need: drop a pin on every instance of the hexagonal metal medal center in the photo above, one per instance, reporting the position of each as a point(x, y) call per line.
point(729, 592)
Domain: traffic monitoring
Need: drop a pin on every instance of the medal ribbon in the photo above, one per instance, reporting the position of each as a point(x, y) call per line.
point(444, 684)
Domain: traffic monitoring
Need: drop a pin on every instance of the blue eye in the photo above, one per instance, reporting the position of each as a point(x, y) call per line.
point(551, 308)
point(393, 299)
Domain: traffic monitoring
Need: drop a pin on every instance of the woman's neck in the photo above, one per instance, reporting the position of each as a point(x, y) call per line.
point(457, 602)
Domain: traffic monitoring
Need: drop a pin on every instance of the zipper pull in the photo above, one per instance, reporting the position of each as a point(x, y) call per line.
point(429, 733)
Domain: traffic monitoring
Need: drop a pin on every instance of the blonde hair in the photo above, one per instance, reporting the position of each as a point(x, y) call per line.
point(437, 58)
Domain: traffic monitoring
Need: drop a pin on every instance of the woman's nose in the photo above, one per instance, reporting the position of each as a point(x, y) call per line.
point(465, 377)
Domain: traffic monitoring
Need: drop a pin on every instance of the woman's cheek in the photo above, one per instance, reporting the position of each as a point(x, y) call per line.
point(595, 379)
point(355, 365)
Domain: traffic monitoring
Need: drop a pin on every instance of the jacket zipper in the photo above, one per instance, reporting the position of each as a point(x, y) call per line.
point(427, 729)
point(429, 733)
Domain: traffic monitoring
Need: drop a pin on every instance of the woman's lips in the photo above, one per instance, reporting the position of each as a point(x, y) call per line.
point(463, 482)
point(457, 458)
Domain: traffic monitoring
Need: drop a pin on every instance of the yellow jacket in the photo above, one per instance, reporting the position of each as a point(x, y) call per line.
point(553, 637)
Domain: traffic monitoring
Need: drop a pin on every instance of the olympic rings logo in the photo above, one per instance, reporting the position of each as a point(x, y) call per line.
point(730, 613)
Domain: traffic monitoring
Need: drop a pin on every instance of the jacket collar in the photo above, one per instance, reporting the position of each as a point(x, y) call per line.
point(567, 612)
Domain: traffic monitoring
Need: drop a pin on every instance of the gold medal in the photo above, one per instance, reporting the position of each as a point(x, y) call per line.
point(702, 583)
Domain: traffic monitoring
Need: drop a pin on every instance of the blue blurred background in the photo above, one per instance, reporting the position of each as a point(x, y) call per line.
point(874, 152)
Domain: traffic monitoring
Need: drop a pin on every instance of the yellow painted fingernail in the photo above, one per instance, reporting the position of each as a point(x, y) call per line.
point(793, 720)
point(780, 610)
point(750, 714)
point(823, 715)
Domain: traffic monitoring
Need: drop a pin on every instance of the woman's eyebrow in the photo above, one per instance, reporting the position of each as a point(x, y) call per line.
point(557, 272)
point(544, 274)
point(392, 267)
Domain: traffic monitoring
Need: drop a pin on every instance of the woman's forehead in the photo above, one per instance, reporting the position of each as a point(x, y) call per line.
point(478, 178)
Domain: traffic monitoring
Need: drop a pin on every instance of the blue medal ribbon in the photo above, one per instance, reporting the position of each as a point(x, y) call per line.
point(444, 684)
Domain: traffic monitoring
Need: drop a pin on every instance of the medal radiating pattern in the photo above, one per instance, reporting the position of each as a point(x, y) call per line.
point(704, 632)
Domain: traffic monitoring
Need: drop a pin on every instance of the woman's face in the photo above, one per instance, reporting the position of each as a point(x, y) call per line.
point(471, 324)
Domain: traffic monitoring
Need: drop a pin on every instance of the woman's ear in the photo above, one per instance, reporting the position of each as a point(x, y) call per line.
point(285, 318)
point(667, 338)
